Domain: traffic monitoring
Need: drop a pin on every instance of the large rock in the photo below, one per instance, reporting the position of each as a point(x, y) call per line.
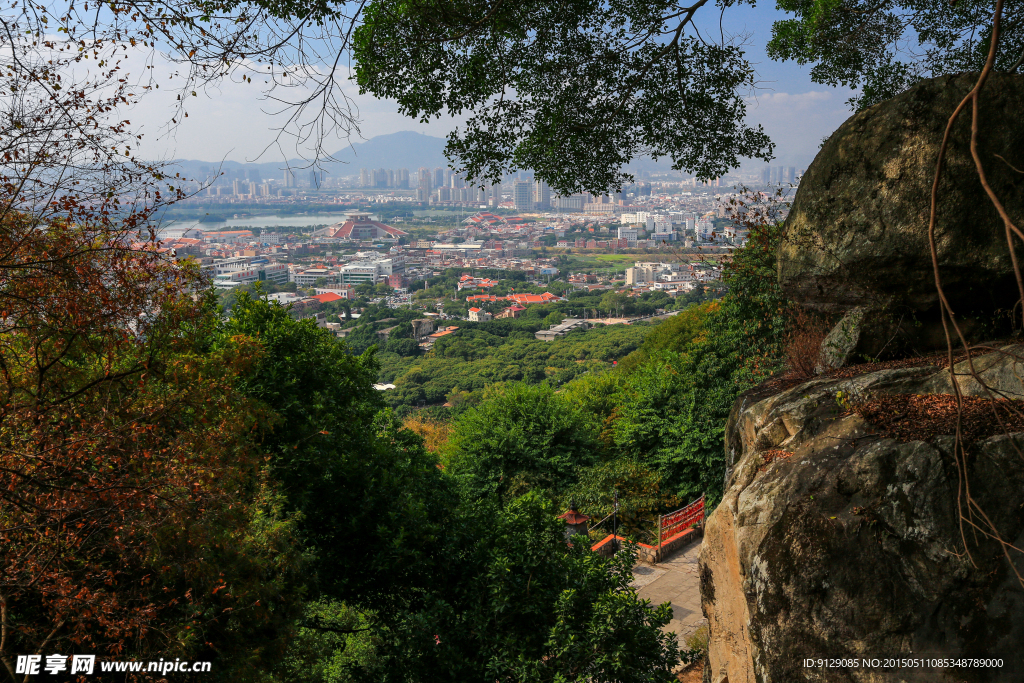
point(858, 229)
point(851, 546)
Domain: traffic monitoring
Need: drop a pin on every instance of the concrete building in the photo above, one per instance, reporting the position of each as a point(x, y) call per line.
point(562, 329)
point(522, 195)
point(574, 203)
point(541, 195)
point(361, 272)
point(424, 185)
point(479, 315)
point(310, 276)
point(276, 273)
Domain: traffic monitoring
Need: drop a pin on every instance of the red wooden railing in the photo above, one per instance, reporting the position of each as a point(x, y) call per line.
point(681, 520)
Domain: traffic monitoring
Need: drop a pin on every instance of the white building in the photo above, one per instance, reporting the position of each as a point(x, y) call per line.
point(309, 277)
point(231, 265)
point(478, 315)
point(659, 224)
point(276, 273)
point(362, 272)
point(522, 194)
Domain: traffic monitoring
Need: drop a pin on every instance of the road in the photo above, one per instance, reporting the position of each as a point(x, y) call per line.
point(676, 580)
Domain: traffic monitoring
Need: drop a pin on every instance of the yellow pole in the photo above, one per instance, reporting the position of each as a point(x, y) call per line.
point(657, 548)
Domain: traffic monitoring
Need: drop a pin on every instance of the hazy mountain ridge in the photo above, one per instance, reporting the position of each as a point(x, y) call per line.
point(404, 149)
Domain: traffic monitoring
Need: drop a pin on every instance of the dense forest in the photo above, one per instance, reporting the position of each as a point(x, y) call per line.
point(339, 541)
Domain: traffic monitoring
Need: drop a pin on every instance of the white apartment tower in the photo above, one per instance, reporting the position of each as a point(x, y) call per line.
point(522, 194)
point(541, 194)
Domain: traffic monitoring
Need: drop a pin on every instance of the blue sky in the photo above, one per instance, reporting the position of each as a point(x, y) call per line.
point(234, 122)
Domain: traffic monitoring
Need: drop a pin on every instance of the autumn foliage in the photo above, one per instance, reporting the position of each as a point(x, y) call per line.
point(122, 451)
point(803, 342)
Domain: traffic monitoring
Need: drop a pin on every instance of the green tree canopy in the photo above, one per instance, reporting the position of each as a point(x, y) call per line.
point(572, 90)
point(370, 499)
point(521, 437)
point(515, 602)
point(885, 47)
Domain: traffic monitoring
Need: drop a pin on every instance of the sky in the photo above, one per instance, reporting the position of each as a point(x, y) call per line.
point(235, 122)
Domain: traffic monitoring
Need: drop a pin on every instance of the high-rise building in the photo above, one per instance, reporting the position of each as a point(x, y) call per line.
point(236, 187)
point(365, 177)
point(289, 178)
point(522, 194)
point(402, 178)
point(424, 185)
point(440, 177)
point(253, 175)
point(541, 194)
point(316, 179)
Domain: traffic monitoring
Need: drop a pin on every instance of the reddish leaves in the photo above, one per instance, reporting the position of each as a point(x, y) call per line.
point(120, 446)
point(770, 456)
point(923, 417)
point(803, 343)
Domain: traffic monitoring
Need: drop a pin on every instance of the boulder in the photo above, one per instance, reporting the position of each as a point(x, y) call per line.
point(841, 341)
point(857, 233)
point(833, 542)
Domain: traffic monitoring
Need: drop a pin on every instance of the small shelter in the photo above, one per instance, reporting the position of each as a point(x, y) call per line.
point(575, 521)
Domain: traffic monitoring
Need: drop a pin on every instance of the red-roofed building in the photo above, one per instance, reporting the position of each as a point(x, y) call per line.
point(361, 228)
point(575, 521)
point(513, 311)
point(327, 297)
point(521, 299)
point(545, 298)
point(470, 282)
point(478, 315)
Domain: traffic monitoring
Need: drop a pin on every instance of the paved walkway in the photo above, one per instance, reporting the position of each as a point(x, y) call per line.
point(676, 580)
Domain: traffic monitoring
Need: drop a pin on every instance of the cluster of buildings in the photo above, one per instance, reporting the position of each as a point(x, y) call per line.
point(361, 268)
point(657, 276)
point(238, 257)
point(518, 299)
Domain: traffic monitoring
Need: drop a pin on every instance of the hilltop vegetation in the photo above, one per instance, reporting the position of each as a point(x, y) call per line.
point(649, 428)
point(481, 354)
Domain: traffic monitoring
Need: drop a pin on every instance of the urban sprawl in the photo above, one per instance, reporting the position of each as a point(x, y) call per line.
point(680, 232)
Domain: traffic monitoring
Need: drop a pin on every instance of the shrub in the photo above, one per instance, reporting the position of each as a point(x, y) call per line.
point(803, 343)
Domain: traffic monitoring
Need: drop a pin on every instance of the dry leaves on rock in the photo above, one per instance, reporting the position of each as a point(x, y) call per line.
point(906, 417)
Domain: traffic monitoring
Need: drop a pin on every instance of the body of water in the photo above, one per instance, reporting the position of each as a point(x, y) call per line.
point(269, 222)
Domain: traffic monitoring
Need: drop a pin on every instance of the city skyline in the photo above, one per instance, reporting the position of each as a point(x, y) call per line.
point(794, 111)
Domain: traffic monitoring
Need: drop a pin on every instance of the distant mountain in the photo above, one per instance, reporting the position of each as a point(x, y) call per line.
point(405, 149)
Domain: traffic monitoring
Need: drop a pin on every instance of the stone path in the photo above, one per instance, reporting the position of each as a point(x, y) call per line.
point(676, 580)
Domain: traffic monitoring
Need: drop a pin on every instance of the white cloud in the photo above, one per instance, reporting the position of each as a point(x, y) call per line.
point(240, 121)
point(797, 122)
point(235, 120)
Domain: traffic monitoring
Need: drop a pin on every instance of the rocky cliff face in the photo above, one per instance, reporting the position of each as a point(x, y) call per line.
point(836, 540)
point(857, 235)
